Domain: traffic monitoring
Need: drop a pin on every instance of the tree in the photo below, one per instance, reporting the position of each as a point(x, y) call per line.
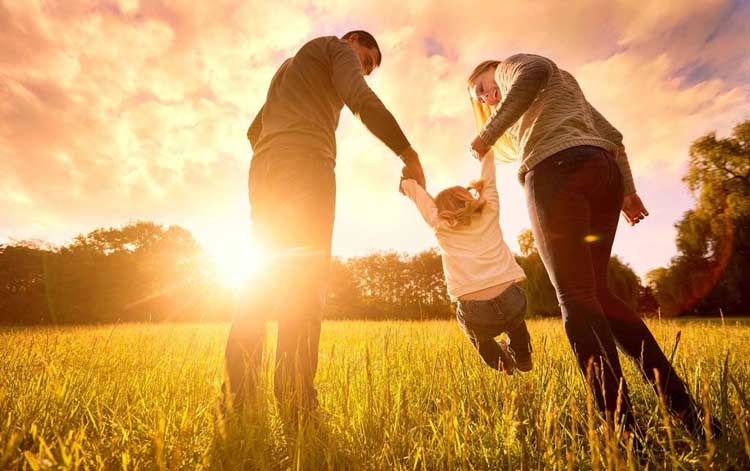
point(526, 242)
point(23, 291)
point(139, 272)
point(713, 239)
point(147, 272)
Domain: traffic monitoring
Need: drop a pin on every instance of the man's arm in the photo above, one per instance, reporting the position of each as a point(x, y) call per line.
point(413, 167)
point(253, 132)
point(527, 79)
point(349, 81)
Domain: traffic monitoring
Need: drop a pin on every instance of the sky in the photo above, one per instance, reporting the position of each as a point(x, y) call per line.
point(117, 111)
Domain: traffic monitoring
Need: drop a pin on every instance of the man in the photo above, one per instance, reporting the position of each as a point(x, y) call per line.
point(292, 196)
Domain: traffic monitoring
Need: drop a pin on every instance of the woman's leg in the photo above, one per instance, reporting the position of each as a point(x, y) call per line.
point(560, 213)
point(630, 332)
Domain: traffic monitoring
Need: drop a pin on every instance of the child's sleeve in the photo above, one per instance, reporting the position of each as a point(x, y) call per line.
point(489, 193)
point(423, 201)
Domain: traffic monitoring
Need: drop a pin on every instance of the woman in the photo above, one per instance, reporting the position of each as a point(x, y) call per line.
point(576, 177)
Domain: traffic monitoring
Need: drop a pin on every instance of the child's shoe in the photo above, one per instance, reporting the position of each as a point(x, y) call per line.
point(505, 363)
point(523, 361)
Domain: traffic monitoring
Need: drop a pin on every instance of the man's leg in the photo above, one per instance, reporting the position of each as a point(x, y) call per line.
point(245, 347)
point(299, 322)
point(304, 213)
point(254, 303)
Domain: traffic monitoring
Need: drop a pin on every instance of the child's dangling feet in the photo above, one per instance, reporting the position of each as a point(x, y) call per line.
point(505, 362)
point(523, 361)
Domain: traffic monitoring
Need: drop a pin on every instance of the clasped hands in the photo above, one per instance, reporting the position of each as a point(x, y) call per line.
point(412, 169)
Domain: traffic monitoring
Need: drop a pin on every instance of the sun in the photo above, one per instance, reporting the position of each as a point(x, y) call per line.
point(236, 261)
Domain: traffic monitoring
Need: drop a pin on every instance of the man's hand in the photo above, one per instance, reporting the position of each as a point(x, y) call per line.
point(404, 176)
point(479, 146)
point(413, 168)
point(633, 209)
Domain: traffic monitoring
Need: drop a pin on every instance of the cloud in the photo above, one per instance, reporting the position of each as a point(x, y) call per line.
point(118, 110)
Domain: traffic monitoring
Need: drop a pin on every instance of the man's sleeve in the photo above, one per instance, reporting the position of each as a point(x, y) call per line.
point(253, 132)
point(527, 75)
point(610, 133)
point(424, 202)
point(349, 81)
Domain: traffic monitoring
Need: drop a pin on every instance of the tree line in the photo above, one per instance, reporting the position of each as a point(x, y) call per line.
point(147, 272)
point(709, 274)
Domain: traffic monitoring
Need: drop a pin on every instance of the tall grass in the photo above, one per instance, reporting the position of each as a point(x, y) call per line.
point(393, 396)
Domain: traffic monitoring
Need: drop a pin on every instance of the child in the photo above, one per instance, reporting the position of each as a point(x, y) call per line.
point(480, 270)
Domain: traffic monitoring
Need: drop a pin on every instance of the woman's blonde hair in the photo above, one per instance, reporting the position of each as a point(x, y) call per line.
point(504, 148)
point(456, 205)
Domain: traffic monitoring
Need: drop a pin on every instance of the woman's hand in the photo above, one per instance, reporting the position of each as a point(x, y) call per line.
point(479, 146)
point(633, 209)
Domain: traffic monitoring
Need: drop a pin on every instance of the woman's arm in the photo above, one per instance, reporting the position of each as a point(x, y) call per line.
point(632, 207)
point(424, 202)
point(621, 157)
point(527, 75)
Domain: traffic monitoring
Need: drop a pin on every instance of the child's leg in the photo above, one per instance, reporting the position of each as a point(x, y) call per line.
point(512, 305)
point(494, 353)
point(520, 341)
point(478, 321)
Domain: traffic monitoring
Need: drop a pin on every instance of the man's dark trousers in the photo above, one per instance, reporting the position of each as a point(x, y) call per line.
point(292, 198)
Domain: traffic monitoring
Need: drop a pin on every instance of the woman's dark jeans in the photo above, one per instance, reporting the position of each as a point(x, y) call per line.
point(574, 200)
point(484, 320)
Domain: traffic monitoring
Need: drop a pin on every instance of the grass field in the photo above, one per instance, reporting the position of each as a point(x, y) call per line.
point(393, 396)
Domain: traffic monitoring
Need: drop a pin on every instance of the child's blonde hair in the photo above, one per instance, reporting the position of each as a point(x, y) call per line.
point(456, 205)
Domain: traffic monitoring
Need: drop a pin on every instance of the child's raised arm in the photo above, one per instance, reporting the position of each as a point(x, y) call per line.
point(489, 192)
point(422, 200)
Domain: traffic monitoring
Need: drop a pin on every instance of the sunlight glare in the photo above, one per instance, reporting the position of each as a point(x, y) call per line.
point(237, 260)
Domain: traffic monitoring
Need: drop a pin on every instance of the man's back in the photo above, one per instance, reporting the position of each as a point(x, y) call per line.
point(305, 99)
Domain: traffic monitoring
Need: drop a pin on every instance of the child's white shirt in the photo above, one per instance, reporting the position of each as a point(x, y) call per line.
point(475, 257)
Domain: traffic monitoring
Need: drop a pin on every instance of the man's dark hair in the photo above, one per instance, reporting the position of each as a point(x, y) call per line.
point(367, 40)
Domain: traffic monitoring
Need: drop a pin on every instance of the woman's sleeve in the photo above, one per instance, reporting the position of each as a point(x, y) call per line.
point(527, 75)
point(424, 202)
point(621, 157)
